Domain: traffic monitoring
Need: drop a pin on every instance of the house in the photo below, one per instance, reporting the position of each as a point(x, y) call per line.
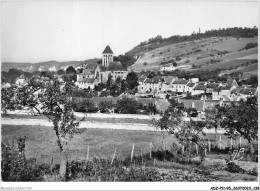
point(210, 87)
point(6, 85)
point(190, 86)
point(167, 67)
point(179, 85)
point(141, 85)
point(157, 83)
point(87, 83)
point(224, 90)
point(202, 105)
point(21, 81)
point(167, 83)
point(243, 92)
point(198, 89)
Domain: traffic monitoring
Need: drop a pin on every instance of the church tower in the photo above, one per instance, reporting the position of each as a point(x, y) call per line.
point(107, 56)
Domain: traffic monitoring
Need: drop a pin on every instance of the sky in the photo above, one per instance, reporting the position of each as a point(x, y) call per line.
point(79, 30)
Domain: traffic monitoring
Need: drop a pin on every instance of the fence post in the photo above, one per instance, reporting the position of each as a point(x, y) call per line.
point(132, 154)
point(240, 142)
point(113, 157)
point(220, 142)
point(151, 150)
point(231, 140)
point(88, 153)
point(182, 149)
point(196, 146)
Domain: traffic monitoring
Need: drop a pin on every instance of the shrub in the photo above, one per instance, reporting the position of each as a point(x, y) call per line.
point(178, 58)
point(15, 166)
point(251, 45)
point(84, 105)
point(105, 106)
point(145, 63)
point(127, 106)
point(187, 61)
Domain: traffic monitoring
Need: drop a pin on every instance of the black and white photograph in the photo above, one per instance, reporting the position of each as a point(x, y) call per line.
point(147, 95)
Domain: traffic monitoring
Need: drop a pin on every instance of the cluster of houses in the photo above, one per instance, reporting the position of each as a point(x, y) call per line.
point(161, 86)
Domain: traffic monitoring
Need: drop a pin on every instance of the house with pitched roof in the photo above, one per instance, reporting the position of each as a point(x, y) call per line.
point(190, 86)
point(180, 85)
point(243, 92)
point(87, 83)
point(21, 81)
point(198, 89)
point(224, 90)
point(141, 81)
point(167, 83)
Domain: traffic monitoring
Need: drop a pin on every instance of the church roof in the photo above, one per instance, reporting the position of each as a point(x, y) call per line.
point(115, 66)
point(108, 50)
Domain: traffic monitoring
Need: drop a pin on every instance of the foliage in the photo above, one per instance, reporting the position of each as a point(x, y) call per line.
point(70, 70)
point(156, 42)
point(15, 166)
point(253, 80)
point(127, 106)
point(126, 60)
point(132, 80)
point(13, 74)
point(151, 109)
point(251, 45)
point(187, 132)
point(105, 106)
point(234, 168)
point(84, 105)
point(7, 99)
point(242, 119)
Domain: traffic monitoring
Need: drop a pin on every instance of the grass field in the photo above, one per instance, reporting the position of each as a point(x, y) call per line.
point(41, 142)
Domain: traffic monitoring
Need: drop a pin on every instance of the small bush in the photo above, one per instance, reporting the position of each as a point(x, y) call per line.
point(251, 45)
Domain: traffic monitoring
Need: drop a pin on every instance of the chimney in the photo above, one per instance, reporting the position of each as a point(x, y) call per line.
point(193, 105)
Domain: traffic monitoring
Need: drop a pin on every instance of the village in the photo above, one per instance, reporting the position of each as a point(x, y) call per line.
point(158, 90)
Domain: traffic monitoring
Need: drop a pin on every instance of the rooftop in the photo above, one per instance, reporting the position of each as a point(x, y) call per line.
point(107, 50)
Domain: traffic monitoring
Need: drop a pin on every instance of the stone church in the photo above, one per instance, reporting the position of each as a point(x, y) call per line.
point(99, 72)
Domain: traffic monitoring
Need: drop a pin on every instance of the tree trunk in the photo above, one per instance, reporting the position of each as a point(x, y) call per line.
point(63, 164)
point(251, 147)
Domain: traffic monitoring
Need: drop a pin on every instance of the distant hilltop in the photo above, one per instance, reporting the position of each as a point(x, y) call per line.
point(44, 66)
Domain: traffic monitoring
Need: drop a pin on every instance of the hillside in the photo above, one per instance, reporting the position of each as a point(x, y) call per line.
point(206, 53)
point(43, 66)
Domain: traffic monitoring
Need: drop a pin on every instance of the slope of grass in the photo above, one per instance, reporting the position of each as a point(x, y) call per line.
point(207, 47)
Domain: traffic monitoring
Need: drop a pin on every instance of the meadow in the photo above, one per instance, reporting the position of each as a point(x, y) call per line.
point(41, 142)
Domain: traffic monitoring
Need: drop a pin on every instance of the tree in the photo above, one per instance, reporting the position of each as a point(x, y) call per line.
point(105, 106)
point(187, 132)
point(54, 102)
point(70, 70)
point(214, 116)
point(109, 81)
point(132, 80)
point(242, 119)
point(8, 99)
point(60, 72)
point(127, 105)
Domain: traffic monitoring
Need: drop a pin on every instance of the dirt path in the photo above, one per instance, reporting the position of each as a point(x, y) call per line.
point(91, 124)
